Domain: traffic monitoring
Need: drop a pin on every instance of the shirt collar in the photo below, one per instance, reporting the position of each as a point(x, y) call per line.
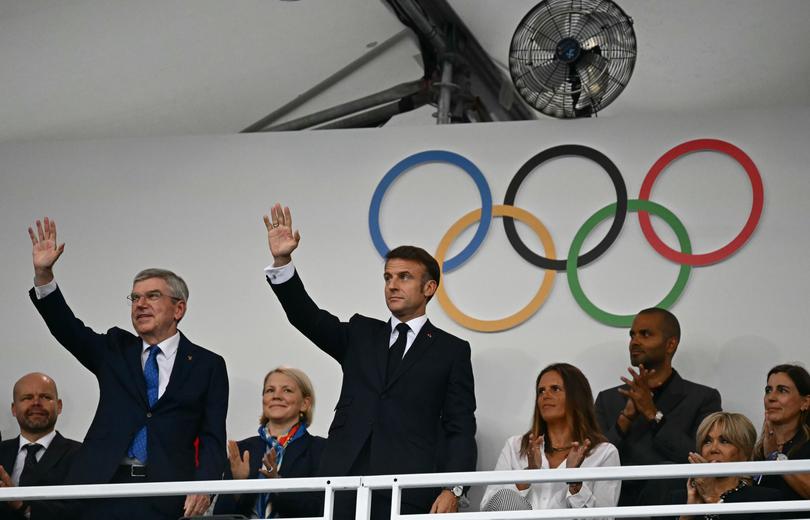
point(43, 441)
point(168, 346)
point(415, 324)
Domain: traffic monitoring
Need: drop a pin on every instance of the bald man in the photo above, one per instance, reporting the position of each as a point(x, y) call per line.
point(39, 456)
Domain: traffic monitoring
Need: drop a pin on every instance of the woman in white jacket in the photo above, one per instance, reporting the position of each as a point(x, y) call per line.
point(564, 434)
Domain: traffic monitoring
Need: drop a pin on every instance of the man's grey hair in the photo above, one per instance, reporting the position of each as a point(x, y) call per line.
point(177, 285)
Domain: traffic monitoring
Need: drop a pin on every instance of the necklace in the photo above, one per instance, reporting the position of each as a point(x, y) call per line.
point(561, 448)
point(741, 484)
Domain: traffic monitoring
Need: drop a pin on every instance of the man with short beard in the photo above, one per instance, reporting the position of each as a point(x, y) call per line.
point(653, 417)
point(40, 456)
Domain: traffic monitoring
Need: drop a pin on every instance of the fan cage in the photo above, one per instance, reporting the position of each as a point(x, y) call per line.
point(607, 41)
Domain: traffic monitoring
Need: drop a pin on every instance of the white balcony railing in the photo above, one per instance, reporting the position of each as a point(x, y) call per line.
point(396, 483)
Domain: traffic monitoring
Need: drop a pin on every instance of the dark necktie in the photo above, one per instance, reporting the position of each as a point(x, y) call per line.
point(150, 373)
point(30, 461)
point(397, 351)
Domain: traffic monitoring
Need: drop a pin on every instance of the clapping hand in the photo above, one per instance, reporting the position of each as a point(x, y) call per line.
point(5, 481)
point(577, 454)
point(270, 468)
point(280, 236)
point(639, 390)
point(534, 456)
point(240, 464)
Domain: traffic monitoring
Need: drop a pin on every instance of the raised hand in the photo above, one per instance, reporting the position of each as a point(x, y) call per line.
point(280, 236)
point(640, 391)
point(270, 468)
point(46, 250)
point(240, 464)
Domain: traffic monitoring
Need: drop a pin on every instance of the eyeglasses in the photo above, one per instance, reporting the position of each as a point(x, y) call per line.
point(151, 297)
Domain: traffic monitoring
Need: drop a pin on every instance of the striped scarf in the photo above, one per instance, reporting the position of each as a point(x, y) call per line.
point(279, 445)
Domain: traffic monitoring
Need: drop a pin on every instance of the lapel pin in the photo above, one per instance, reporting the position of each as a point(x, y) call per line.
point(189, 357)
point(429, 335)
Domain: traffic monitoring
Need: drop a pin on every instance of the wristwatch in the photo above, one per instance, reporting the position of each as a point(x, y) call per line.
point(456, 490)
point(659, 416)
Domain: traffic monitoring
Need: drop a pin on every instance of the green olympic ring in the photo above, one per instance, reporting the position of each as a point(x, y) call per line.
point(634, 205)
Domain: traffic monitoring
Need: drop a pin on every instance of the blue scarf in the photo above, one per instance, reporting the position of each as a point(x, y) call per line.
point(279, 446)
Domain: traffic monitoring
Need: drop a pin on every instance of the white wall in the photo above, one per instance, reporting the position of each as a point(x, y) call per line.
point(194, 205)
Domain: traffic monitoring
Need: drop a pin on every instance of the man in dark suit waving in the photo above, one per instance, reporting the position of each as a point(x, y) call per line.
point(40, 456)
point(407, 402)
point(159, 393)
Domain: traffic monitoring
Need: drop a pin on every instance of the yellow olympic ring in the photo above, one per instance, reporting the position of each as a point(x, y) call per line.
point(498, 210)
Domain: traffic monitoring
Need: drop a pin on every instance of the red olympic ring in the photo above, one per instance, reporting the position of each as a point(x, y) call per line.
point(727, 250)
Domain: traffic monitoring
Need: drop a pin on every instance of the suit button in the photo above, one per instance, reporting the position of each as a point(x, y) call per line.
point(148, 414)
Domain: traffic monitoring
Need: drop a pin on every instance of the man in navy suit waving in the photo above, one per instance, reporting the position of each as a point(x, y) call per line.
point(407, 401)
point(158, 392)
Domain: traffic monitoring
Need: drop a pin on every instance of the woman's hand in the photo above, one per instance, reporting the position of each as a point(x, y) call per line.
point(577, 454)
point(534, 456)
point(270, 468)
point(692, 495)
point(240, 465)
point(769, 442)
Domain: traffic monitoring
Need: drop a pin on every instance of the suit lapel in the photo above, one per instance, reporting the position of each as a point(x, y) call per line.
point(53, 454)
point(8, 453)
point(132, 360)
point(380, 341)
point(672, 395)
point(417, 350)
point(183, 364)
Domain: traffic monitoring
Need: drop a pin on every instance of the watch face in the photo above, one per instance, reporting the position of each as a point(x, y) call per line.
point(458, 491)
point(781, 456)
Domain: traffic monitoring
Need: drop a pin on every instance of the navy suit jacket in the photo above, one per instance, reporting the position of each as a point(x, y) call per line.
point(421, 421)
point(684, 405)
point(301, 459)
point(193, 405)
point(49, 471)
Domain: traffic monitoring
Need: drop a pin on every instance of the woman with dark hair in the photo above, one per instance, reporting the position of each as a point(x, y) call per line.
point(724, 437)
point(786, 430)
point(563, 434)
point(283, 448)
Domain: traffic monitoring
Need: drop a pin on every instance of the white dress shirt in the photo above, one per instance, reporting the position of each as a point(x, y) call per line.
point(555, 495)
point(19, 462)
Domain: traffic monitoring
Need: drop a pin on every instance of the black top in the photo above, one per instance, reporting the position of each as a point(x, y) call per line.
point(776, 481)
point(745, 494)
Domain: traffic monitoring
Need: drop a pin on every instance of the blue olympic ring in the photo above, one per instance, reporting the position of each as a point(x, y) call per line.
point(421, 158)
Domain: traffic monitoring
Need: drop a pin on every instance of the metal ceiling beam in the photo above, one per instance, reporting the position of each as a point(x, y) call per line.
point(445, 37)
point(320, 87)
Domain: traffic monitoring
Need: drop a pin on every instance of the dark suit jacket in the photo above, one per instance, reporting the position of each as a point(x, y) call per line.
point(684, 405)
point(429, 401)
point(193, 405)
point(49, 471)
point(301, 459)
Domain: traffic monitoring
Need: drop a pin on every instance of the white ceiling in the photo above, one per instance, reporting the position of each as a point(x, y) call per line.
point(98, 68)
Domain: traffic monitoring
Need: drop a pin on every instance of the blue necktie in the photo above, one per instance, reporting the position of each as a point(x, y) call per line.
point(150, 373)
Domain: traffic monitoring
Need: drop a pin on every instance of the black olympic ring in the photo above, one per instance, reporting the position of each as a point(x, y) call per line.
point(618, 219)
